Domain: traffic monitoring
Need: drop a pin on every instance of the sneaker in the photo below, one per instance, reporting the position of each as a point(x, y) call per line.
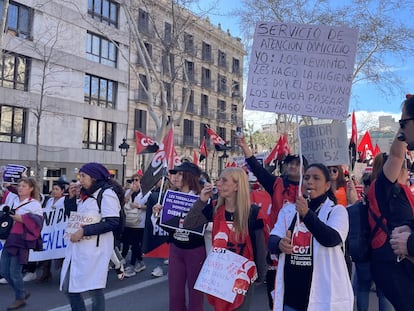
point(157, 272)
point(3, 281)
point(120, 273)
point(140, 266)
point(29, 276)
point(130, 272)
point(166, 262)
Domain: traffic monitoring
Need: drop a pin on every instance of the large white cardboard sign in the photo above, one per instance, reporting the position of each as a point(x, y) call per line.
point(219, 274)
point(301, 69)
point(325, 143)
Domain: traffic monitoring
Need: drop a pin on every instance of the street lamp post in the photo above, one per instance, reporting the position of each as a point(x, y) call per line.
point(124, 150)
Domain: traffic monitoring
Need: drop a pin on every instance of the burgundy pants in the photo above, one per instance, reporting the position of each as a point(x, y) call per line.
point(183, 269)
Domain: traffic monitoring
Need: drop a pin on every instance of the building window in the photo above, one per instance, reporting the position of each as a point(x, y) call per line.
point(143, 21)
point(12, 124)
point(19, 19)
point(235, 89)
point(168, 67)
point(140, 121)
point(221, 109)
point(104, 10)
point(190, 104)
point(221, 84)
point(167, 33)
point(234, 114)
point(14, 71)
point(233, 143)
point(98, 135)
point(221, 131)
point(236, 66)
point(222, 59)
point(100, 92)
point(148, 47)
point(205, 78)
point(203, 132)
point(168, 90)
point(189, 67)
point(100, 50)
point(143, 88)
point(189, 43)
point(206, 53)
point(188, 132)
point(204, 105)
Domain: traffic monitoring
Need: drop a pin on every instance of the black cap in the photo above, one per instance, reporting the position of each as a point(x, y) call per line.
point(291, 157)
point(187, 167)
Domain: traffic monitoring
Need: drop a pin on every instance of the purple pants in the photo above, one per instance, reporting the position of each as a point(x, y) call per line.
point(183, 269)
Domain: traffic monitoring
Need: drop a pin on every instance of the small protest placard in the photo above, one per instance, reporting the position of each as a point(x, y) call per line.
point(301, 69)
point(77, 220)
point(13, 172)
point(325, 143)
point(176, 206)
point(220, 273)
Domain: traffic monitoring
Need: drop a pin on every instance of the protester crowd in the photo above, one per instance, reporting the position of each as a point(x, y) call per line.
point(288, 225)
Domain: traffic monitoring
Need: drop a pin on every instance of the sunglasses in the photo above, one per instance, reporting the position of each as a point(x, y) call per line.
point(403, 122)
point(333, 170)
point(136, 179)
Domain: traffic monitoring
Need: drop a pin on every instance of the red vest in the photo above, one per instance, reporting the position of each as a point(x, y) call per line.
point(380, 236)
point(281, 195)
point(224, 237)
point(262, 198)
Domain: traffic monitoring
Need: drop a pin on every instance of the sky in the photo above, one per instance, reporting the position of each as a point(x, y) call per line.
point(365, 99)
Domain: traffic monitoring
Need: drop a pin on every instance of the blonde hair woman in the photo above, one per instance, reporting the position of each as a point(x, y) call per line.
point(234, 218)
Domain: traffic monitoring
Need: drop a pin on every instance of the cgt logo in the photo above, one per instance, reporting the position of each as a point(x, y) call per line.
point(300, 249)
point(146, 141)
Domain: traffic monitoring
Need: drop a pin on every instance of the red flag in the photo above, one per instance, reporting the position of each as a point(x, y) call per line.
point(171, 155)
point(231, 164)
point(354, 132)
point(203, 150)
point(353, 142)
point(284, 149)
point(376, 150)
point(218, 142)
point(365, 148)
point(273, 154)
point(144, 144)
point(195, 158)
point(279, 150)
point(165, 157)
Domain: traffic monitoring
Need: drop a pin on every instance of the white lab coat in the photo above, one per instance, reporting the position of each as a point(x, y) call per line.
point(89, 262)
point(331, 287)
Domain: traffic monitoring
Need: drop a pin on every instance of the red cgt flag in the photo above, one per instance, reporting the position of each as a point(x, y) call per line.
point(376, 150)
point(171, 156)
point(219, 143)
point(195, 158)
point(144, 144)
point(354, 132)
point(365, 148)
point(279, 150)
point(203, 150)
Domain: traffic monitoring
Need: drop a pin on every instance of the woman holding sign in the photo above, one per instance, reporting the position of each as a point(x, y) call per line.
point(236, 228)
point(309, 237)
point(27, 214)
point(187, 250)
point(85, 267)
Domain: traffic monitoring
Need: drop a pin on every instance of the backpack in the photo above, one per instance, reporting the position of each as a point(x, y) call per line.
point(360, 235)
point(122, 216)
